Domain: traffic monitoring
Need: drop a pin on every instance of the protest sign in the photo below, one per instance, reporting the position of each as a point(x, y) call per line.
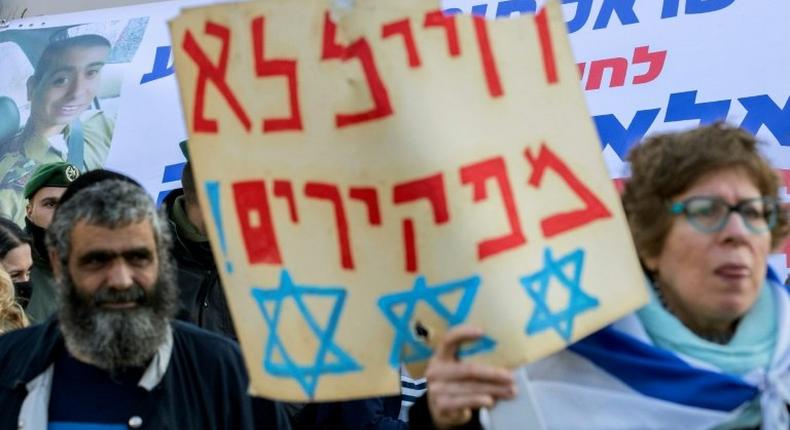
point(373, 180)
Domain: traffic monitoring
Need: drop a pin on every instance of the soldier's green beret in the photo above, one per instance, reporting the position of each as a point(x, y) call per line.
point(51, 175)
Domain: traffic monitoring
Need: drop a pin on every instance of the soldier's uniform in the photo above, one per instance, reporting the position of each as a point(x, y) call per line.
point(16, 167)
point(16, 170)
point(42, 300)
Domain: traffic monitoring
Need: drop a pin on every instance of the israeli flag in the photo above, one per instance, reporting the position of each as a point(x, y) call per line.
point(616, 379)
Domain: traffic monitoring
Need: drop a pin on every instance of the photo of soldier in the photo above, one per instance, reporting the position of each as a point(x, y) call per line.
point(67, 121)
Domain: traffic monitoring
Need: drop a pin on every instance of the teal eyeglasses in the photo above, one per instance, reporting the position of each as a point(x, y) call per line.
point(710, 214)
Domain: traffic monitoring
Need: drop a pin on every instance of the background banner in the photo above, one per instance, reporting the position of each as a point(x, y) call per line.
point(647, 66)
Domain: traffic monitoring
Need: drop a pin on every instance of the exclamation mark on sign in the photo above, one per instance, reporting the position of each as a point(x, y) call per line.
point(212, 190)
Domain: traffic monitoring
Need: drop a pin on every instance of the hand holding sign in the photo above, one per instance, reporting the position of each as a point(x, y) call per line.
point(456, 388)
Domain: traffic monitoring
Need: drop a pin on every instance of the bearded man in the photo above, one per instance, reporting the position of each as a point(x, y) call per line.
point(112, 357)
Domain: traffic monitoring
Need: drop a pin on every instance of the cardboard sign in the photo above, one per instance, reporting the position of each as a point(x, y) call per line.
point(374, 179)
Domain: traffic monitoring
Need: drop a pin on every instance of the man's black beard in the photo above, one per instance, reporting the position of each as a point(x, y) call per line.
point(117, 339)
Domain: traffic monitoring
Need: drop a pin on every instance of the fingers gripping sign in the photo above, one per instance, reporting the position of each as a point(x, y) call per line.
point(456, 388)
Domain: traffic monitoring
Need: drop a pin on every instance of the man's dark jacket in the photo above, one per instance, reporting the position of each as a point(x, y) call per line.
point(204, 387)
point(378, 413)
point(201, 296)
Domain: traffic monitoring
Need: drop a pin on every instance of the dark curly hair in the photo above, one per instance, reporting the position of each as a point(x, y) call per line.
point(11, 236)
point(666, 165)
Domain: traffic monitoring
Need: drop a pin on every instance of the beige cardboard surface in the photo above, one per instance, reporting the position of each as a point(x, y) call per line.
point(364, 178)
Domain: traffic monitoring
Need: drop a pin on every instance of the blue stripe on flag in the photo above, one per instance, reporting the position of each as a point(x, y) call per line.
point(660, 374)
point(771, 276)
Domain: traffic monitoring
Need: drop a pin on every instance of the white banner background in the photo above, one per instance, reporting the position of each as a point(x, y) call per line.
point(718, 53)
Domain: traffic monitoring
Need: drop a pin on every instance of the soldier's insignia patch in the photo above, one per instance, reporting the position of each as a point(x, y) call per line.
point(71, 173)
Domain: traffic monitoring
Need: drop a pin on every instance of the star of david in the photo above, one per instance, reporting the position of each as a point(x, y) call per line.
point(329, 358)
point(414, 349)
point(537, 286)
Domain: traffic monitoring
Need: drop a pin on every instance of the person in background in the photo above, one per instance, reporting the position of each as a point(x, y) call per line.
point(113, 356)
point(16, 258)
point(712, 347)
point(202, 298)
point(12, 316)
point(43, 192)
point(63, 125)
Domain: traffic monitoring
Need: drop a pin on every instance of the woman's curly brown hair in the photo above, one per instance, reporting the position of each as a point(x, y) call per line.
point(666, 165)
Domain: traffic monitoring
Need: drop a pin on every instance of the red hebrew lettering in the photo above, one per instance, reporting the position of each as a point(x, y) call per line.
point(360, 49)
point(562, 222)
point(257, 229)
point(284, 190)
point(619, 184)
point(656, 60)
point(546, 47)
point(409, 245)
point(477, 174)
point(331, 193)
point(430, 188)
point(285, 68)
point(619, 67)
point(403, 28)
point(785, 175)
point(370, 198)
point(487, 57)
point(581, 67)
point(207, 71)
point(438, 19)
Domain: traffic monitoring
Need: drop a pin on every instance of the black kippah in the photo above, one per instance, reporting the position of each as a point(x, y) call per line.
point(92, 177)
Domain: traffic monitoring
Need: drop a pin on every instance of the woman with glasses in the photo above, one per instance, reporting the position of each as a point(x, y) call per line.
point(710, 350)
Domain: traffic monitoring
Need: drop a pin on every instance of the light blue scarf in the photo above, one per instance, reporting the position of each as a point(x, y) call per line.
point(751, 347)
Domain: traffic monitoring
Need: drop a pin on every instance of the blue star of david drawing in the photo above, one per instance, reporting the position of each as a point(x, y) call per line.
point(329, 358)
point(537, 286)
point(416, 350)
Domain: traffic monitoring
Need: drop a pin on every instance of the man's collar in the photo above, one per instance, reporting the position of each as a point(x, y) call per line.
point(33, 412)
point(38, 343)
point(42, 342)
point(156, 369)
point(186, 230)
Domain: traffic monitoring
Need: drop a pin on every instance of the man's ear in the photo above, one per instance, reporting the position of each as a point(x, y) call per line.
point(29, 208)
point(54, 261)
